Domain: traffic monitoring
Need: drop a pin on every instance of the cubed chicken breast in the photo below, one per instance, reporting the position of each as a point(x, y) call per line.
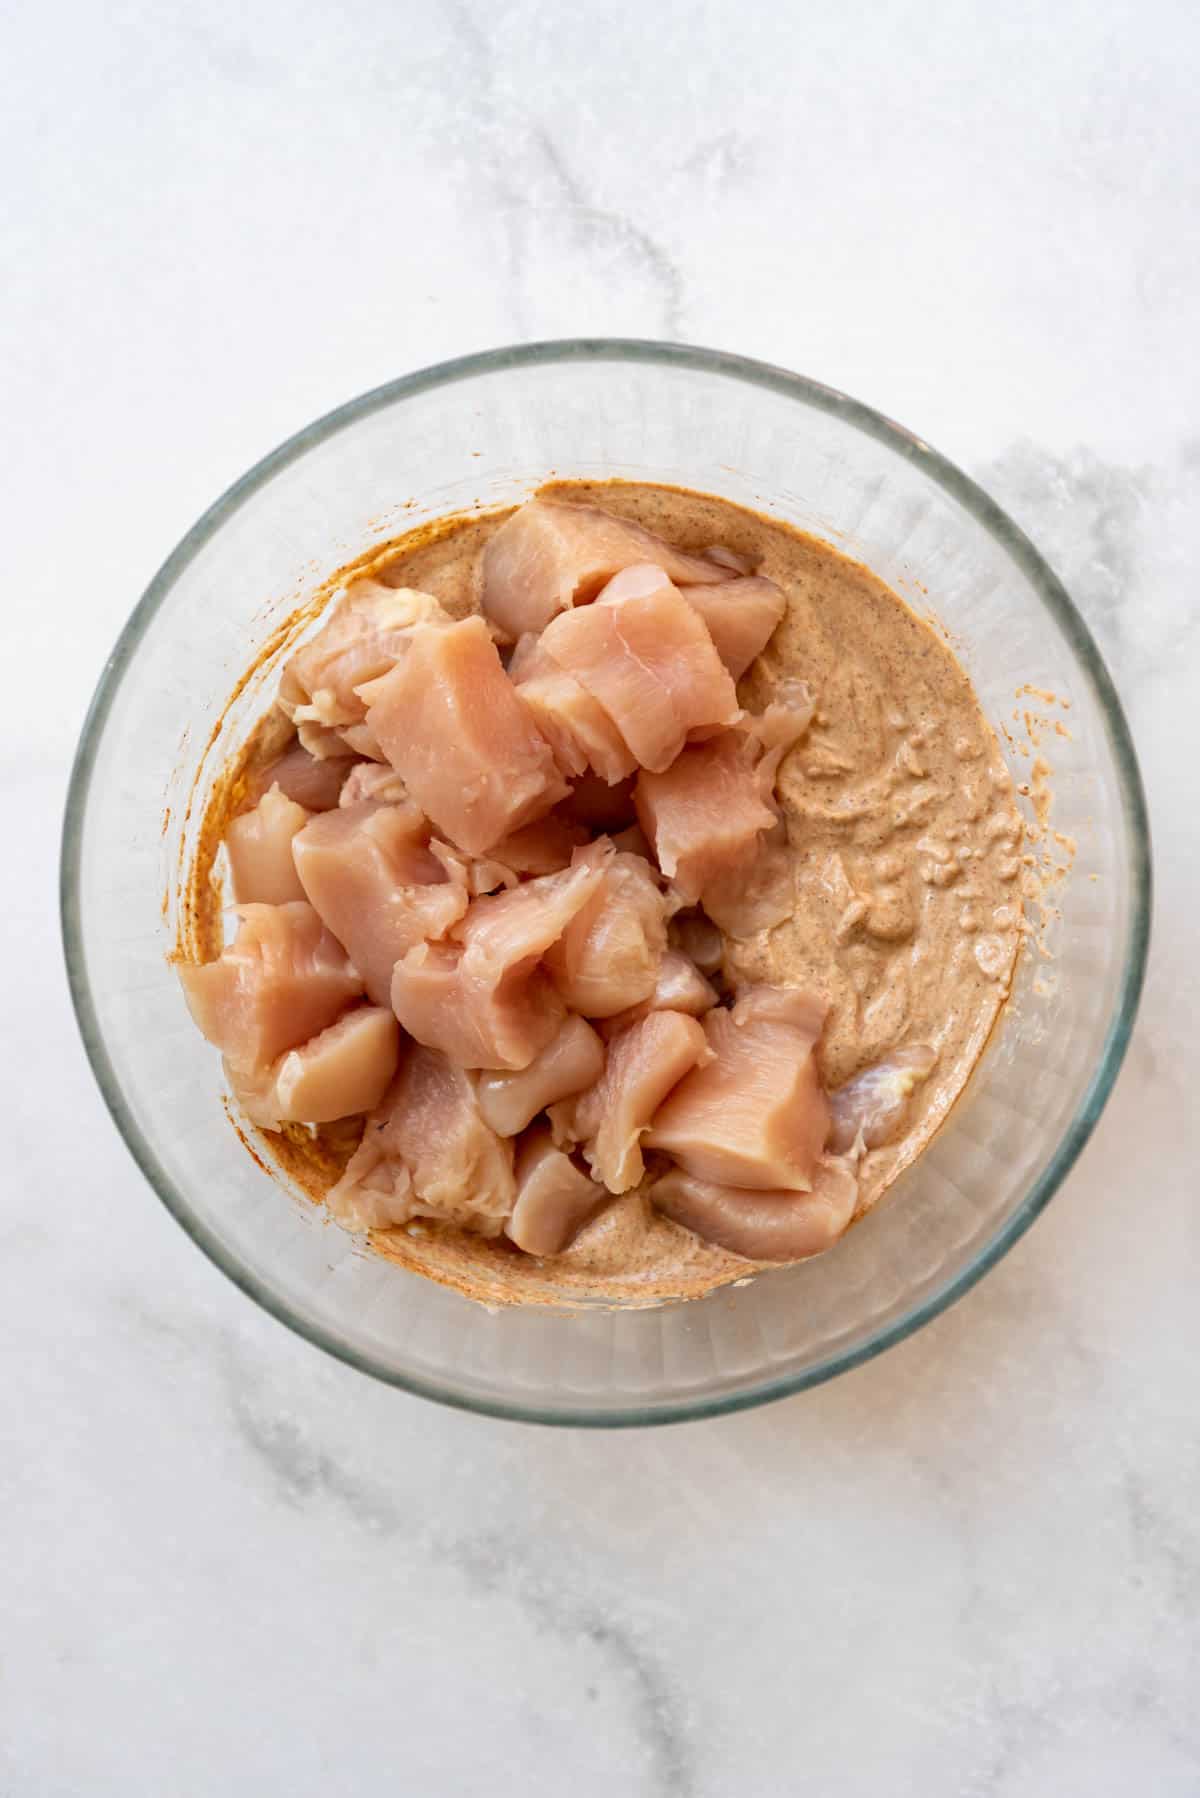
point(369, 872)
point(365, 634)
point(869, 1110)
point(449, 721)
point(680, 987)
point(763, 1226)
point(259, 846)
point(580, 732)
point(741, 616)
point(283, 979)
point(373, 780)
point(608, 956)
point(426, 1152)
point(704, 814)
point(555, 1198)
point(642, 1066)
point(316, 785)
point(755, 1114)
point(483, 999)
point(338, 1073)
point(541, 848)
point(551, 555)
point(571, 1061)
point(647, 658)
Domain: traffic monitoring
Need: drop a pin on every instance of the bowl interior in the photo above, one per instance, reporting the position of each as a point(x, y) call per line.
point(483, 432)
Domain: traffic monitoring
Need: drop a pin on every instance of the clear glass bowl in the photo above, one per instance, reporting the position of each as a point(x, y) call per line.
point(485, 430)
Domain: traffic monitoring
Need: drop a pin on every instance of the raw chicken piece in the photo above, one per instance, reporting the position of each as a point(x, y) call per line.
point(756, 894)
point(426, 1152)
point(554, 1197)
point(484, 1000)
point(778, 728)
point(571, 1061)
point(869, 1110)
point(550, 556)
point(794, 1006)
point(648, 659)
point(366, 633)
point(704, 814)
point(599, 805)
point(541, 848)
point(741, 616)
point(259, 847)
point(373, 780)
point(476, 1026)
point(578, 729)
point(506, 932)
point(729, 558)
point(370, 873)
point(336, 1074)
point(680, 987)
point(449, 721)
point(714, 824)
point(763, 1226)
point(644, 1063)
point(697, 937)
point(607, 958)
point(313, 784)
point(524, 658)
point(756, 1114)
point(478, 874)
point(281, 980)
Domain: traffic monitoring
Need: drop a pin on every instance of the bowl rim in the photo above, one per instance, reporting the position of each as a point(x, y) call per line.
point(806, 392)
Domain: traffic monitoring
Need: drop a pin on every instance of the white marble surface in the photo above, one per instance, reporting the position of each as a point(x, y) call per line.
point(233, 1566)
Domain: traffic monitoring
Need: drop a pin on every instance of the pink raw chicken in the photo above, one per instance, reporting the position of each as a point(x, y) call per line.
point(680, 987)
point(704, 814)
point(648, 659)
point(541, 848)
point(550, 556)
point(370, 873)
point(554, 1197)
point(449, 722)
point(644, 1063)
point(281, 980)
point(777, 728)
point(426, 1152)
point(483, 999)
point(608, 957)
point(259, 846)
point(698, 938)
point(759, 891)
point(741, 616)
point(571, 1061)
point(366, 633)
point(342, 1071)
point(752, 889)
point(763, 1226)
point(756, 1115)
point(316, 785)
point(869, 1110)
point(373, 780)
point(578, 729)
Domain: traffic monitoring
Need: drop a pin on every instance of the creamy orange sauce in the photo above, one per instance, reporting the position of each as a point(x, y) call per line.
point(904, 844)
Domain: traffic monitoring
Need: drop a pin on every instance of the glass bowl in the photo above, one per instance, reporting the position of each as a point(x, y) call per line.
point(481, 431)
